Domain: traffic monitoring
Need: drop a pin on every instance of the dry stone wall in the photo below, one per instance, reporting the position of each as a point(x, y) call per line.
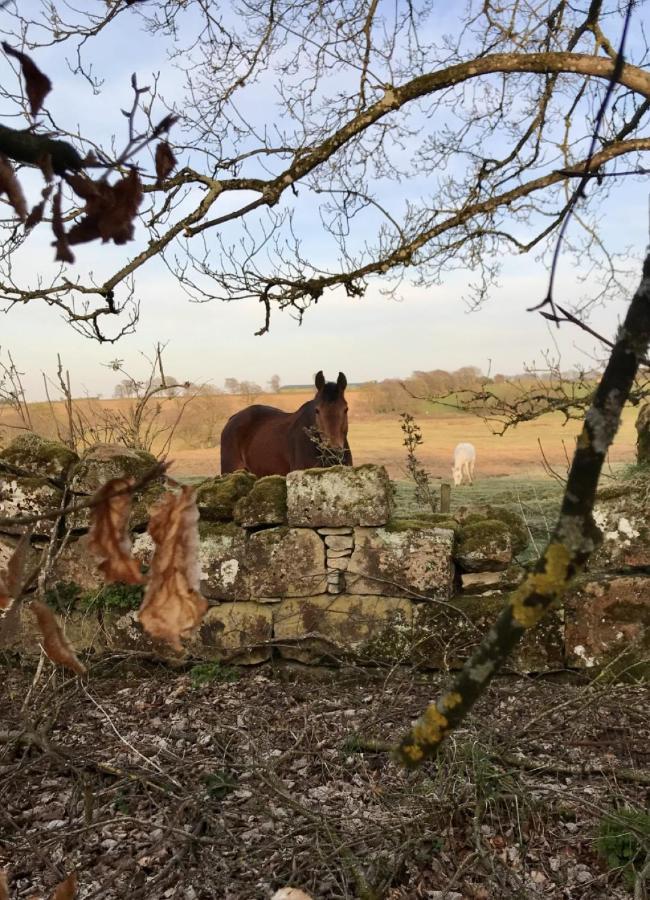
point(316, 568)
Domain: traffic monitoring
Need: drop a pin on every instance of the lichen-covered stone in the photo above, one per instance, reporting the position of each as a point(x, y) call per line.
point(103, 462)
point(34, 454)
point(265, 504)
point(320, 628)
point(519, 536)
point(235, 632)
point(608, 617)
point(285, 562)
point(444, 637)
point(413, 560)
point(216, 498)
point(643, 436)
point(340, 495)
point(484, 546)
point(489, 582)
point(622, 514)
point(27, 496)
point(82, 628)
point(425, 520)
point(222, 557)
point(75, 563)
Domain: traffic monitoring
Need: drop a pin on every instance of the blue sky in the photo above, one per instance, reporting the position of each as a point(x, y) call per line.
point(369, 338)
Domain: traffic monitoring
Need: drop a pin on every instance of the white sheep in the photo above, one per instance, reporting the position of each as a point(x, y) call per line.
point(464, 459)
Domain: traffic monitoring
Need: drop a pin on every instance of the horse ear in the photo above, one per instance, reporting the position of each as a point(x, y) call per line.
point(342, 382)
point(320, 380)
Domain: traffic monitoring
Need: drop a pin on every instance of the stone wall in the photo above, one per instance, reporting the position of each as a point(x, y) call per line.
point(317, 568)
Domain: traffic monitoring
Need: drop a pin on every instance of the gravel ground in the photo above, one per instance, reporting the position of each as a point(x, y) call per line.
point(152, 786)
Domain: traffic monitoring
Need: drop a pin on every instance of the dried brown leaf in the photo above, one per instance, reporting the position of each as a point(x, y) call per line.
point(44, 163)
point(109, 538)
point(36, 215)
point(62, 244)
point(66, 890)
point(11, 578)
point(172, 604)
point(110, 208)
point(37, 84)
point(165, 162)
point(288, 893)
point(56, 645)
point(4, 885)
point(10, 186)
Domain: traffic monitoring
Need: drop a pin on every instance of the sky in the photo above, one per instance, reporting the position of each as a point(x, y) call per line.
point(374, 337)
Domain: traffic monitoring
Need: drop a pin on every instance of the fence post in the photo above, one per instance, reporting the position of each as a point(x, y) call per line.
point(445, 497)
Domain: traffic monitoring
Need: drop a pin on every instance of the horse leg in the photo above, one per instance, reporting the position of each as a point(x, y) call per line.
point(470, 467)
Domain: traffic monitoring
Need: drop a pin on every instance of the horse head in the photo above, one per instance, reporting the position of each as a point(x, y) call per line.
point(331, 411)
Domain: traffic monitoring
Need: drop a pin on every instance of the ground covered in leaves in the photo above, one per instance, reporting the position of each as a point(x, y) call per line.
point(156, 784)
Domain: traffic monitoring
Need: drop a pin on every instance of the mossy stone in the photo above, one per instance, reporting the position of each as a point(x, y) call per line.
point(265, 504)
point(431, 520)
point(103, 462)
point(32, 453)
point(216, 499)
point(484, 545)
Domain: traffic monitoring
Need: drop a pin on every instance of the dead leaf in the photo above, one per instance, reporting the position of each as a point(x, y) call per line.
point(66, 890)
point(36, 215)
point(165, 162)
point(37, 85)
point(110, 208)
point(109, 538)
point(288, 893)
point(4, 886)
point(10, 186)
point(63, 251)
point(11, 577)
point(56, 645)
point(172, 604)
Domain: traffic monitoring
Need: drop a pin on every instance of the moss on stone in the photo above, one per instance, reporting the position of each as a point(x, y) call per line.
point(105, 461)
point(476, 535)
point(432, 520)
point(218, 530)
point(33, 453)
point(216, 499)
point(516, 526)
point(265, 504)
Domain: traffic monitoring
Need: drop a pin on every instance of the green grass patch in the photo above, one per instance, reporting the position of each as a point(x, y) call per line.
point(624, 842)
point(204, 673)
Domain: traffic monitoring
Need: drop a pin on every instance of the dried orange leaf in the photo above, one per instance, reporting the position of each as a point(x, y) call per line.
point(4, 886)
point(289, 893)
point(62, 243)
point(172, 604)
point(11, 577)
point(66, 890)
point(37, 85)
point(56, 645)
point(10, 186)
point(109, 537)
point(165, 161)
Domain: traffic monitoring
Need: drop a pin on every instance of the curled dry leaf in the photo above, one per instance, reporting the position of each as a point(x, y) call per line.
point(56, 645)
point(110, 208)
point(63, 251)
point(10, 186)
point(288, 893)
point(11, 578)
point(172, 604)
point(66, 890)
point(37, 84)
point(4, 885)
point(165, 162)
point(109, 538)
point(36, 215)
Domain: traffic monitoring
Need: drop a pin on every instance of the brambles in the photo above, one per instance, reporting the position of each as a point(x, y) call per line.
point(424, 493)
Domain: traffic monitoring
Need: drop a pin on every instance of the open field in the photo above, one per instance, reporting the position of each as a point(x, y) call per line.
point(374, 438)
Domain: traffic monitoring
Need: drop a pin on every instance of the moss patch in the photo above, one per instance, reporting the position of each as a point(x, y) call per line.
point(35, 454)
point(475, 535)
point(265, 504)
point(216, 499)
point(64, 596)
point(431, 520)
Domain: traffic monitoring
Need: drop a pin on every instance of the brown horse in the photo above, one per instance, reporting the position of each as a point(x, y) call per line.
point(268, 441)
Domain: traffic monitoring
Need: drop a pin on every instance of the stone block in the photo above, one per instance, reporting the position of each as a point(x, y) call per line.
point(343, 529)
point(76, 564)
point(621, 513)
point(608, 617)
point(285, 562)
point(416, 560)
point(484, 546)
point(338, 563)
point(265, 504)
point(643, 436)
point(27, 496)
point(222, 558)
point(339, 542)
point(217, 497)
point(444, 637)
point(338, 496)
point(235, 632)
point(82, 628)
point(489, 582)
point(35, 455)
point(321, 628)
